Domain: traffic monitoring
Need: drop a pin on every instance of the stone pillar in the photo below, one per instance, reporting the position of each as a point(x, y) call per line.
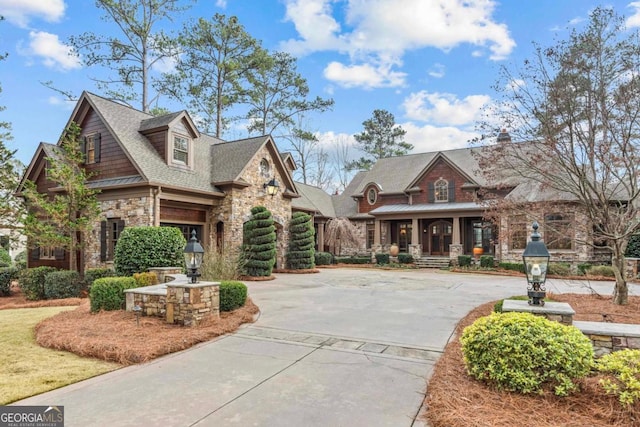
point(454, 251)
point(456, 231)
point(376, 233)
point(415, 231)
point(190, 303)
point(321, 236)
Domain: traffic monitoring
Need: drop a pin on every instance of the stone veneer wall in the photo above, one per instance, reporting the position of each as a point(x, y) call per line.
point(135, 211)
point(235, 209)
point(188, 304)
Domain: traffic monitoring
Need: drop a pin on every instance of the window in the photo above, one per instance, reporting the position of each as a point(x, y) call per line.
point(441, 188)
point(47, 252)
point(372, 196)
point(180, 150)
point(518, 228)
point(91, 148)
point(265, 168)
point(558, 233)
point(109, 234)
point(370, 234)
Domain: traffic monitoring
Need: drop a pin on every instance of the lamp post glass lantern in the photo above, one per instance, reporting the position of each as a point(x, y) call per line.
point(536, 262)
point(272, 187)
point(193, 253)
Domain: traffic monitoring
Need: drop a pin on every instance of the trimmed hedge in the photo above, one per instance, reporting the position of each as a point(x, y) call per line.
point(405, 258)
point(512, 266)
point(233, 295)
point(633, 247)
point(486, 261)
point(382, 258)
point(7, 274)
point(107, 293)
point(301, 242)
point(92, 274)
point(260, 248)
point(353, 260)
point(464, 260)
point(601, 270)
point(140, 248)
point(523, 352)
point(62, 284)
point(145, 279)
point(323, 258)
point(32, 282)
point(5, 258)
point(559, 269)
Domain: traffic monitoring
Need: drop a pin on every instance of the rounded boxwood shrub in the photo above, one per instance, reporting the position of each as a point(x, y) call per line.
point(62, 284)
point(633, 247)
point(323, 258)
point(523, 352)
point(623, 375)
point(382, 258)
point(233, 295)
point(405, 258)
point(601, 270)
point(107, 293)
point(260, 246)
point(464, 260)
point(7, 275)
point(32, 282)
point(91, 274)
point(145, 279)
point(486, 261)
point(301, 242)
point(140, 248)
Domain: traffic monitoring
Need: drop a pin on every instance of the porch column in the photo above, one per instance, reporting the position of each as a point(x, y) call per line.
point(321, 236)
point(415, 235)
point(456, 230)
point(376, 233)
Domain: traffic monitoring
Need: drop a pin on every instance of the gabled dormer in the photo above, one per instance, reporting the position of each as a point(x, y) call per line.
point(442, 181)
point(173, 136)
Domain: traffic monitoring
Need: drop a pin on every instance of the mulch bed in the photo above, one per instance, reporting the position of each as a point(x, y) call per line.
point(257, 278)
point(455, 399)
point(300, 271)
point(17, 300)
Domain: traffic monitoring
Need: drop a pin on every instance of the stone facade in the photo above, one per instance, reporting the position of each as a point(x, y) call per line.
point(610, 337)
point(188, 304)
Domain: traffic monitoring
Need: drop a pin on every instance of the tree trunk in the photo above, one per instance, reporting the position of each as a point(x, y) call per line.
point(621, 290)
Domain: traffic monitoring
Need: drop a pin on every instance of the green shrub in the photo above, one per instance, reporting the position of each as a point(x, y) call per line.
point(233, 295)
point(405, 258)
point(486, 261)
point(7, 274)
point(583, 268)
point(623, 380)
point(382, 258)
point(301, 242)
point(464, 260)
point(260, 248)
point(523, 352)
point(512, 266)
point(323, 258)
point(140, 248)
point(601, 270)
point(221, 266)
point(107, 293)
point(145, 279)
point(5, 258)
point(497, 307)
point(91, 274)
point(62, 284)
point(20, 261)
point(633, 247)
point(353, 260)
point(32, 282)
point(559, 269)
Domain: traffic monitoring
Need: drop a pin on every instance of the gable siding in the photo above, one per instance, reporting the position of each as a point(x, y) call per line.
point(365, 207)
point(113, 161)
point(159, 142)
point(438, 170)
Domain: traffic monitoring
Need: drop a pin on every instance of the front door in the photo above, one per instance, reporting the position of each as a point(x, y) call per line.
point(440, 233)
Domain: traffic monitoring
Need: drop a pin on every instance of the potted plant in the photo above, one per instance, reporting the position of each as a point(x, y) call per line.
point(394, 250)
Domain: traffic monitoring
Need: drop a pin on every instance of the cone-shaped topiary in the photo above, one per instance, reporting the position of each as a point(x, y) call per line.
point(260, 243)
point(301, 242)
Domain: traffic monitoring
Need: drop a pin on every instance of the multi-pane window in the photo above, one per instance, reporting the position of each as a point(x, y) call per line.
point(92, 148)
point(372, 196)
point(441, 188)
point(370, 234)
point(47, 252)
point(110, 233)
point(518, 228)
point(180, 150)
point(558, 232)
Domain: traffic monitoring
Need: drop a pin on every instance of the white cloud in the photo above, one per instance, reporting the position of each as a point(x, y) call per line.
point(432, 138)
point(315, 25)
point(368, 76)
point(515, 85)
point(221, 3)
point(444, 108)
point(58, 101)
point(52, 52)
point(19, 12)
point(634, 20)
point(437, 71)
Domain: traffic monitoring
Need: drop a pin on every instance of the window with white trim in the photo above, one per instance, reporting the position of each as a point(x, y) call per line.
point(372, 196)
point(180, 150)
point(441, 188)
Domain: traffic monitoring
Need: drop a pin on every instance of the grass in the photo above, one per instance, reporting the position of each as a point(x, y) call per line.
point(29, 369)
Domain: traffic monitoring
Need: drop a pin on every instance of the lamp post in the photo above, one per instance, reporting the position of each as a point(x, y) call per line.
point(536, 261)
point(271, 187)
point(193, 253)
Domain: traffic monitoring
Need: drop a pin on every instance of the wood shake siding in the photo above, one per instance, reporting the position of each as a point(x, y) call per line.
point(113, 161)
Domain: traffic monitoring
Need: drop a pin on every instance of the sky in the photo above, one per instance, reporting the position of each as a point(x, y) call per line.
point(431, 63)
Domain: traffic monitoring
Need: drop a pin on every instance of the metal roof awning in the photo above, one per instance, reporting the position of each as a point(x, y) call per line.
point(426, 207)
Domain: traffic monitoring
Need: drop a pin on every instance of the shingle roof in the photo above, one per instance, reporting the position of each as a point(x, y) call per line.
point(230, 158)
point(344, 204)
point(159, 121)
point(313, 199)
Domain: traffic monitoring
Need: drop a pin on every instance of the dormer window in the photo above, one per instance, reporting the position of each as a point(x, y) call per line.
point(265, 168)
point(91, 148)
point(372, 196)
point(180, 150)
point(441, 188)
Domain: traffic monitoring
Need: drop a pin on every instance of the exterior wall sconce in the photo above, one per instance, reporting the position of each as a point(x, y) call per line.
point(536, 262)
point(193, 253)
point(271, 187)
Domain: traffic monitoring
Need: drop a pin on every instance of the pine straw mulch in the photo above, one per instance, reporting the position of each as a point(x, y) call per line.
point(455, 399)
point(17, 300)
point(115, 337)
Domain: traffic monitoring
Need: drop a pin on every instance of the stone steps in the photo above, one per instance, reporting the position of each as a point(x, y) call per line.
point(432, 262)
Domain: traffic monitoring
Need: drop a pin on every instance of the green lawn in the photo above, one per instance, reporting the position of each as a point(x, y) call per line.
point(28, 369)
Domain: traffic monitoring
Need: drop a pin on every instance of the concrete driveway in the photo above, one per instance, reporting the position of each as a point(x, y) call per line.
point(345, 347)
